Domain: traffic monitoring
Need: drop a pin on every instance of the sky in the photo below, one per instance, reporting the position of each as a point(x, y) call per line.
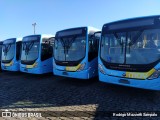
point(17, 16)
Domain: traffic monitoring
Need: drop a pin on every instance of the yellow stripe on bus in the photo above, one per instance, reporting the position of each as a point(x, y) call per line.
point(140, 75)
point(73, 69)
point(8, 64)
point(31, 66)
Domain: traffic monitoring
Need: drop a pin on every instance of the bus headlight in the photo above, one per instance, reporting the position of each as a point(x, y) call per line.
point(35, 64)
point(155, 75)
point(82, 66)
point(101, 69)
point(11, 63)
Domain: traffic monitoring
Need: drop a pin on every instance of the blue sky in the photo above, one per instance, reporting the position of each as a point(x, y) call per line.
point(17, 16)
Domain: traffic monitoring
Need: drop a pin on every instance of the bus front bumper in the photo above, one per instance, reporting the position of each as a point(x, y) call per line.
point(36, 70)
point(84, 74)
point(153, 84)
point(14, 67)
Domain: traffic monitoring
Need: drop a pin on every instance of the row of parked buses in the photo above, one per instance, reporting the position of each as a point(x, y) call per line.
point(125, 52)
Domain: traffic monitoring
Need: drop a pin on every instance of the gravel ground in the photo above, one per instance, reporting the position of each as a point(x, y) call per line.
point(83, 99)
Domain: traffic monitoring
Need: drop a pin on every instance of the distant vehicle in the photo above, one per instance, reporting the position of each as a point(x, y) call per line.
point(36, 56)
point(76, 52)
point(1, 44)
point(129, 53)
point(11, 54)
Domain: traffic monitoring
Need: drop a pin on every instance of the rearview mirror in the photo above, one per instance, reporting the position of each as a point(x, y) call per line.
point(97, 35)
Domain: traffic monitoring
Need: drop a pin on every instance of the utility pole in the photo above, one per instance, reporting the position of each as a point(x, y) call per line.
point(34, 27)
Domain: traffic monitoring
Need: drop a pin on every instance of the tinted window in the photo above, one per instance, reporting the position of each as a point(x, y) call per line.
point(93, 47)
point(18, 50)
point(47, 49)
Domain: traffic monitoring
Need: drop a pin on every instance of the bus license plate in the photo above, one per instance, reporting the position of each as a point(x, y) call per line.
point(124, 81)
point(65, 73)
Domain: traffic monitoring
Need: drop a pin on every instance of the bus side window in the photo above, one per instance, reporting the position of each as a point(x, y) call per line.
point(47, 50)
point(18, 50)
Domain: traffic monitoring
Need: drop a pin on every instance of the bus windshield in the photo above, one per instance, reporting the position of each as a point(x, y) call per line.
point(8, 52)
point(131, 47)
point(70, 48)
point(30, 51)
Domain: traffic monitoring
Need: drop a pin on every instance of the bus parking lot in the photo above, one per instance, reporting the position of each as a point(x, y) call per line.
point(22, 91)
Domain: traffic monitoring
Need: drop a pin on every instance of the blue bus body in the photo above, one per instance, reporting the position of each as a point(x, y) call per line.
point(36, 55)
point(72, 56)
point(1, 44)
point(129, 53)
point(10, 59)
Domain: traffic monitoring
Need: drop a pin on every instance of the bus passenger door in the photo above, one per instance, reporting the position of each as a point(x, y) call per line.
point(93, 54)
point(46, 55)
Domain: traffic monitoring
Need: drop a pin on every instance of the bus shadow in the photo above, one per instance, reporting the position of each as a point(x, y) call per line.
point(38, 91)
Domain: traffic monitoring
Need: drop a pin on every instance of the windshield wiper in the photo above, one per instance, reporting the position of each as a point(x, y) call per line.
point(6, 49)
point(27, 47)
point(119, 41)
point(135, 38)
point(67, 44)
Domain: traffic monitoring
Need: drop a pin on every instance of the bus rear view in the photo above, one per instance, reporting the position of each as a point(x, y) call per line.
point(129, 53)
point(36, 55)
point(72, 56)
point(11, 54)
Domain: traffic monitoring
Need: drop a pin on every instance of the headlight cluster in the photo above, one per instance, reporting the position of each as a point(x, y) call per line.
point(155, 75)
point(81, 67)
point(101, 69)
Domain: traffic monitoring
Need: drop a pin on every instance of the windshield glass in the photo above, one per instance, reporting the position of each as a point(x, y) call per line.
point(8, 52)
point(112, 47)
point(30, 50)
point(70, 48)
point(133, 47)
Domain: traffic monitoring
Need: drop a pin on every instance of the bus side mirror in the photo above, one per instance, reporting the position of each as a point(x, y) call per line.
point(97, 35)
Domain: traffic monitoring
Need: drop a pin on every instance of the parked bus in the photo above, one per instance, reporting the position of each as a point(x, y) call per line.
point(129, 53)
point(1, 43)
point(10, 59)
point(76, 53)
point(36, 55)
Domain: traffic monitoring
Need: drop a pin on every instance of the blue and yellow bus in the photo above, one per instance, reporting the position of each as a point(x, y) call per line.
point(76, 53)
point(1, 44)
point(10, 59)
point(36, 55)
point(129, 53)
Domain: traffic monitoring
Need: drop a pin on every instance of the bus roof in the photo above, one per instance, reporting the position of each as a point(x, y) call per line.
point(17, 39)
point(132, 19)
point(42, 35)
point(91, 30)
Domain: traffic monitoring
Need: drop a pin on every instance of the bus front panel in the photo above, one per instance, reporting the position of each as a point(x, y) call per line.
point(129, 54)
